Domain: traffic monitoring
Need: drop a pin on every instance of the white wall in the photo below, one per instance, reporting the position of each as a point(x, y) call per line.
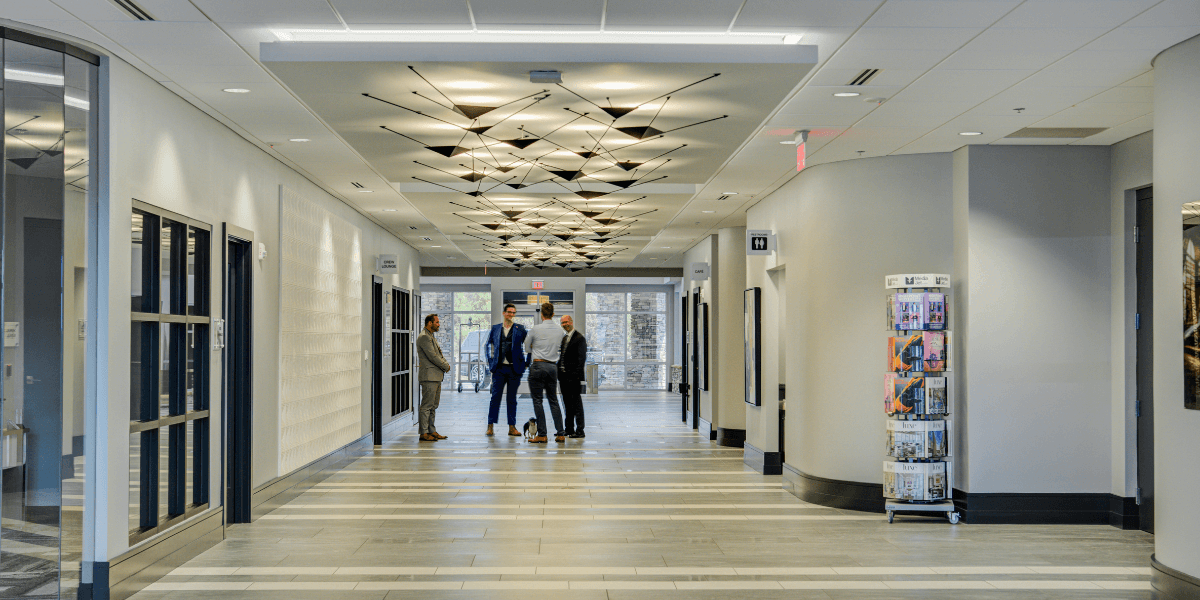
point(726, 317)
point(163, 151)
point(1038, 281)
point(841, 228)
point(703, 252)
point(1131, 164)
point(1176, 430)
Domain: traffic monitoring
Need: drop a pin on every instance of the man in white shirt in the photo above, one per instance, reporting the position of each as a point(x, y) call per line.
point(543, 344)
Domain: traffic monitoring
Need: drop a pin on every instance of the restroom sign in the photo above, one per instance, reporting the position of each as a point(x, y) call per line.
point(760, 243)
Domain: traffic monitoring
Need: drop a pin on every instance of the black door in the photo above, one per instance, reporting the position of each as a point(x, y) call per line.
point(45, 464)
point(683, 385)
point(377, 360)
point(696, 387)
point(237, 379)
point(1145, 358)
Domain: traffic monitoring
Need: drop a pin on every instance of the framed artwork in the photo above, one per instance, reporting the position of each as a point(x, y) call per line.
point(1191, 305)
point(753, 349)
point(702, 347)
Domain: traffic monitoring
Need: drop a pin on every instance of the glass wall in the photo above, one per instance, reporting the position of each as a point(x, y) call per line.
point(466, 318)
point(48, 100)
point(628, 338)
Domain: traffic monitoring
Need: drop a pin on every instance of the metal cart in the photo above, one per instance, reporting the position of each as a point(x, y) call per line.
point(471, 356)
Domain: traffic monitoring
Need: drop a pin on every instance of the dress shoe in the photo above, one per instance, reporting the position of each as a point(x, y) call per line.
point(577, 434)
point(513, 431)
point(541, 439)
point(428, 437)
point(560, 438)
point(489, 431)
point(437, 435)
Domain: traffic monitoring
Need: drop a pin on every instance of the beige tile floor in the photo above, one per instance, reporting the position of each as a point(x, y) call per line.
point(643, 508)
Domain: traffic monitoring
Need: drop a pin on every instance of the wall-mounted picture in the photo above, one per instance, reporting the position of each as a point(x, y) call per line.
point(753, 328)
point(1191, 305)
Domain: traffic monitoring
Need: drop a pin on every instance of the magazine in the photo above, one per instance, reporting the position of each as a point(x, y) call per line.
point(934, 304)
point(934, 347)
point(915, 481)
point(889, 391)
point(936, 396)
point(907, 354)
point(909, 395)
point(916, 439)
point(910, 312)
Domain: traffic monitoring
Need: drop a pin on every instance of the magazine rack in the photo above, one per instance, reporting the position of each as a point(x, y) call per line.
point(917, 478)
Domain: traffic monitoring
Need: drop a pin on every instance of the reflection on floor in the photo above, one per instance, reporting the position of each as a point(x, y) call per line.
point(640, 508)
point(29, 542)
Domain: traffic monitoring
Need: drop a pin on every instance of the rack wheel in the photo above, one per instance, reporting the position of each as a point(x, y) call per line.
point(891, 515)
point(460, 388)
point(953, 516)
point(476, 387)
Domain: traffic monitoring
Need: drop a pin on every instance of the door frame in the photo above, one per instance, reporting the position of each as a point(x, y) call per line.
point(377, 360)
point(237, 407)
point(1144, 355)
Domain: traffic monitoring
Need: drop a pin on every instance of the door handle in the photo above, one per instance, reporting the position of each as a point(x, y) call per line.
point(29, 380)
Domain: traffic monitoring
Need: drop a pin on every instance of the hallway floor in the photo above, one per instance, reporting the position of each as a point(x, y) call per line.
point(642, 508)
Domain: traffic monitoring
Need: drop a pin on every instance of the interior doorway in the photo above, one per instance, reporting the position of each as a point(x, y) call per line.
point(695, 356)
point(377, 360)
point(237, 375)
point(1144, 326)
point(683, 343)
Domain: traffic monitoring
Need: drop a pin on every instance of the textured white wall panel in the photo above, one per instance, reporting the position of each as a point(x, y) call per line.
point(321, 338)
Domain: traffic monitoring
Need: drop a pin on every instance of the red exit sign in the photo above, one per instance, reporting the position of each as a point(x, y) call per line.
point(537, 285)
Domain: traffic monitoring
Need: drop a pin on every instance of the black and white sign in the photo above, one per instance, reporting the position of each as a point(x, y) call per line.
point(388, 263)
point(918, 280)
point(759, 243)
point(699, 271)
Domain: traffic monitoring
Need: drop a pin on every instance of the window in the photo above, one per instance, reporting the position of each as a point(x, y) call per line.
point(169, 370)
point(466, 318)
point(627, 338)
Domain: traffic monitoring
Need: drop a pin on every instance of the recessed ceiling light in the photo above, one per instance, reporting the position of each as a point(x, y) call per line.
point(666, 247)
point(846, 94)
point(299, 140)
point(394, 210)
point(708, 211)
point(365, 191)
point(970, 133)
point(730, 193)
point(435, 246)
point(236, 90)
point(792, 39)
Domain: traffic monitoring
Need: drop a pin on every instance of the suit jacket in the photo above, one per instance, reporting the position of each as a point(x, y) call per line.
point(573, 357)
point(433, 365)
point(492, 347)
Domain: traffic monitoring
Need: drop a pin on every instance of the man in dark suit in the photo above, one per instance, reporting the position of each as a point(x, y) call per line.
point(570, 373)
point(506, 362)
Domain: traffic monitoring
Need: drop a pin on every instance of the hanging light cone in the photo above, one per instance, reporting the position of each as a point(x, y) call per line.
point(512, 213)
point(607, 221)
point(622, 183)
point(601, 240)
point(474, 194)
point(640, 133)
point(521, 143)
point(511, 259)
point(473, 176)
point(504, 169)
point(616, 112)
point(589, 195)
point(581, 244)
point(562, 264)
point(526, 254)
point(629, 166)
point(472, 112)
point(536, 224)
point(567, 175)
point(24, 163)
point(587, 154)
point(480, 129)
point(493, 226)
point(591, 213)
point(448, 151)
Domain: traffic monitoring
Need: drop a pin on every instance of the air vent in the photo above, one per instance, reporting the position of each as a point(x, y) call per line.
point(426, 239)
point(864, 77)
point(412, 227)
point(723, 197)
point(356, 184)
point(133, 10)
point(1056, 132)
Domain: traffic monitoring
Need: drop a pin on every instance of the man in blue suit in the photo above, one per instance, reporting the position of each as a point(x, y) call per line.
point(505, 351)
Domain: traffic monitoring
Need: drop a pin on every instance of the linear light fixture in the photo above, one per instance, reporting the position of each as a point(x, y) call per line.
point(515, 35)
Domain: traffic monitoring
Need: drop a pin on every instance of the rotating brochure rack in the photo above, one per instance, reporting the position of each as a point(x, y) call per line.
point(916, 397)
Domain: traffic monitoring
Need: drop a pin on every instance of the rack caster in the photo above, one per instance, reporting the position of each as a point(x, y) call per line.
point(953, 516)
point(890, 515)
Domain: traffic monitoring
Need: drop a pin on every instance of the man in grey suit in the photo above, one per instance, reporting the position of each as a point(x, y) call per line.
point(433, 367)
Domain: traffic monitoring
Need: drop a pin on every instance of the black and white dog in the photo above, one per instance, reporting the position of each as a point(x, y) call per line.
point(531, 428)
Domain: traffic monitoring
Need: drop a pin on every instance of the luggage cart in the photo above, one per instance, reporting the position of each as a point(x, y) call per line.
point(470, 355)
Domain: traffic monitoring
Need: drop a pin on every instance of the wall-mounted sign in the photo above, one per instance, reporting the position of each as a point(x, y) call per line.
point(699, 271)
point(759, 242)
point(12, 334)
point(538, 284)
point(388, 263)
point(917, 280)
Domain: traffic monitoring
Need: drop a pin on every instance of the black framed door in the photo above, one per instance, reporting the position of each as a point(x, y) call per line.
point(377, 360)
point(237, 375)
point(695, 354)
point(1144, 324)
point(683, 335)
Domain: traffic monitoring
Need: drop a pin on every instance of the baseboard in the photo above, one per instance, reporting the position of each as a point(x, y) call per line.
point(849, 495)
point(1042, 509)
point(132, 571)
point(1169, 584)
point(707, 430)
point(281, 490)
point(766, 463)
point(732, 438)
point(399, 423)
point(1123, 513)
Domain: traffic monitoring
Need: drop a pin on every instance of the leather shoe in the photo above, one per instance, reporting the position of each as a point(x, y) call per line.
point(513, 431)
point(560, 438)
point(428, 437)
point(489, 431)
point(437, 435)
point(541, 439)
point(577, 434)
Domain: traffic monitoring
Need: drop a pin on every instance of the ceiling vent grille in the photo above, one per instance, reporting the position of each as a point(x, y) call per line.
point(133, 10)
point(356, 184)
point(1056, 132)
point(723, 197)
point(426, 239)
point(863, 78)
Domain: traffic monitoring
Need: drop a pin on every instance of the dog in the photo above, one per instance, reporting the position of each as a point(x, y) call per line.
point(531, 429)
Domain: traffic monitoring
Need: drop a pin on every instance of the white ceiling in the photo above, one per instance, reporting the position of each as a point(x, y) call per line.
point(947, 66)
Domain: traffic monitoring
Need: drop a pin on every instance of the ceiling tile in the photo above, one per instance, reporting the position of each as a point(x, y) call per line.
point(175, 43)
point(1126, 94)
point(813, 100)
point(811, 121)
point(913, 38)
point(941, 13)
point(528, 14)
point(885, 77)
point(898, 113)
point(404, 13)
point(1074, 13)
point(1120, 132)
point(708, 15)
point(1146, 39)
point(851, 56)
point(33, 10)
point(1076, 117)
point(1035, 100)
point(1064, 74)
point(191, 75)
point(1144, 80)
point(1169, 13)
point(774, 15)
point(951, 85)
point(172, 10)
point(1019, 48)
point(270, 12)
